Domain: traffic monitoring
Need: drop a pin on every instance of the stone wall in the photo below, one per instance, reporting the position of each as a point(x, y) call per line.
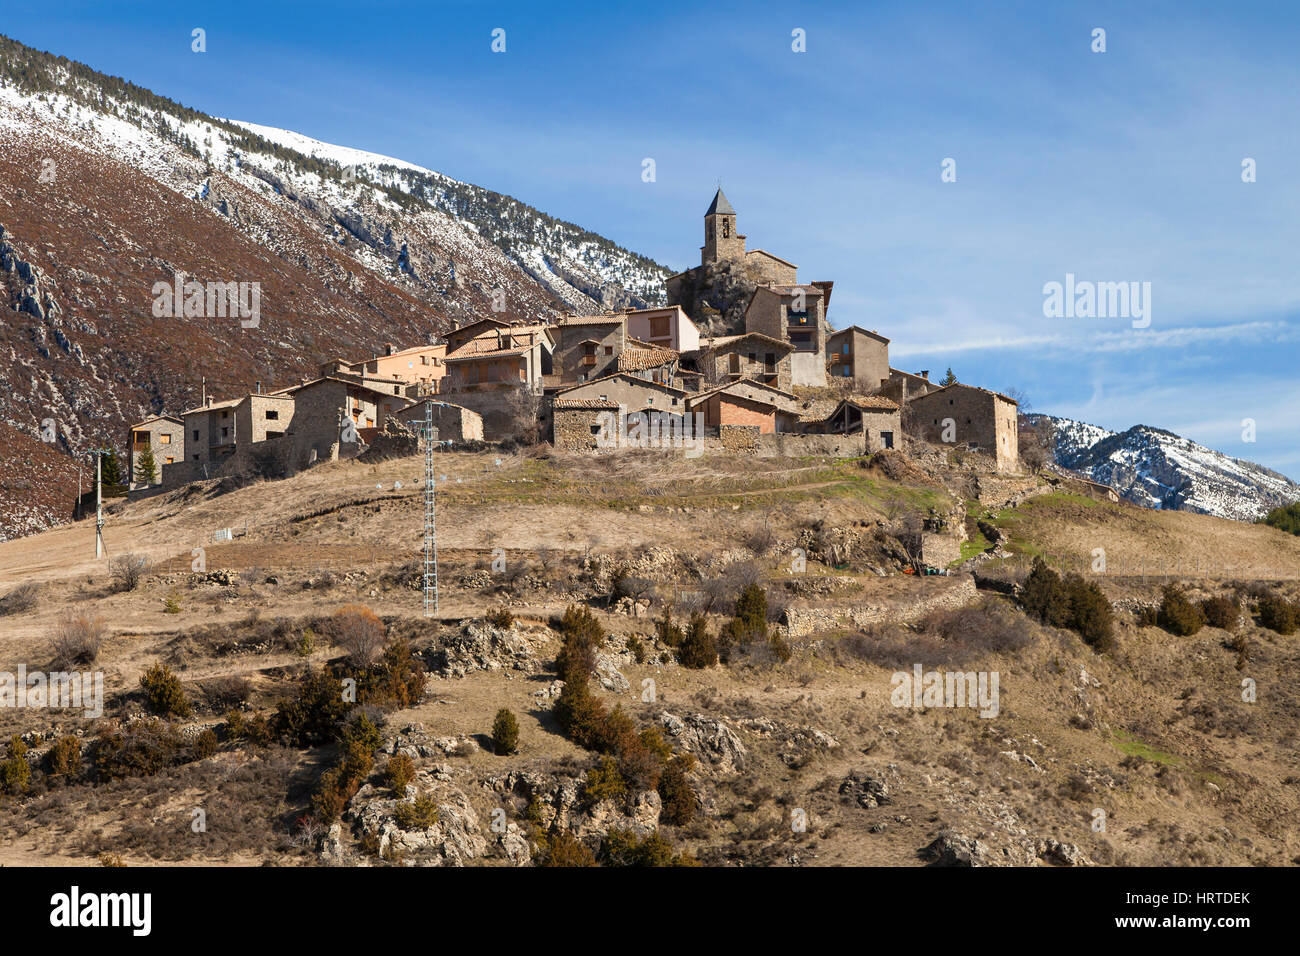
point(804, 621)
point(983, 420)
point(454, 423)
point(572, 428)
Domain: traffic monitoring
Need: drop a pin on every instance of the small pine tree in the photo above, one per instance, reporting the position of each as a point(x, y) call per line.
point(698, 650)
point(111, 469)
point(949, 378)
point(1177, 614)
point(146, 468)
point(505, 732)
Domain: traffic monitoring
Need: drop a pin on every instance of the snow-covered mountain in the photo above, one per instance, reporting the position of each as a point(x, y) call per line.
point(1158, 469)
point(107, 188)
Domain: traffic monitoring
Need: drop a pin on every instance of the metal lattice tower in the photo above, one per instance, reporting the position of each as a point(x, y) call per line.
point(430, 525)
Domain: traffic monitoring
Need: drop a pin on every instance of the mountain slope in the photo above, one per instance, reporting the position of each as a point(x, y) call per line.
point(1158, 469)
point(107, 189)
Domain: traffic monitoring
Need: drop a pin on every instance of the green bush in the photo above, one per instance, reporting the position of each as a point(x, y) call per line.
point(505, 732)
point(395, 681)
point(399, 772)
point(582, 635)
point(676, 795)
point(1090, 613)
point(1278, 614)
point(420, 814)
point(163, 692)
point(1177, 614)
point(1286, 518)
point(15, 772)
point(669, 633)
point(1045, 596)
point(565, 849)
point(314, 713)
point(64, 758)
point(624, 848)
point(138, 749)
point(751, 614)
point(1222, 612)
point(604, 782)
point(697, 649)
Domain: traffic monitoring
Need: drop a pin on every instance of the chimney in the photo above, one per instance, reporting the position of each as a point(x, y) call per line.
point(925, 374)
point(259, 387)
point(392, 349)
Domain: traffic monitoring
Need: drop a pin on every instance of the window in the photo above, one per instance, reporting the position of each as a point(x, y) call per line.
point(595, 429)
point(225, 413)
point(170, 459)
point(674, 399)
point(650, 400)
point(272, 416)
point(196, 434)
point(844, 348)
point(609, 350)
point(887, 439)
point(225, 432)
point(196, 456)
point(164, 439)
point(848, 371)
point(726, 227)
point(733, 363)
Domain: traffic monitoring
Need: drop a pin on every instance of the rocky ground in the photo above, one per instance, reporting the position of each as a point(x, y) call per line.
point(1145, 754)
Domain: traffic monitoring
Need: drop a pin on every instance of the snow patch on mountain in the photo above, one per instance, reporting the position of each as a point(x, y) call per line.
point(1158, 469)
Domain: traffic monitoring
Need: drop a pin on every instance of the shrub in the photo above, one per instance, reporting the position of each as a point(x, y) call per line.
point(675, 792)
point(669, 633)
point(698, 650)
point(163, 692)
point(1286, 518)
point(420, 814)
point(399, 772)
point(19, 599)
point(604, 782)
point(172, 603)
point(1090, 613)
point(1222, 612)
point(1045, 596)
point(582, 635)
point(359, 631)
point(1177, 614)
point(565, 849)
point(126, 571)
point(77, 640)
point(623, 848)
point(64, 758)
point(396, 680)
point(578, 713)
point(227, 692)
point(1278, 614)
point(15, 772)
point(311, 717)
point(138, 749)
point(500, 617)
point(505, 732)
point(204, 745)
point(751, 614)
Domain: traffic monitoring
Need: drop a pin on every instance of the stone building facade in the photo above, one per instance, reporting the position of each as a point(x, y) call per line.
point(984, 421)
point(752, 355)
point(858, 355)
point(795, 314)
point(164, 436)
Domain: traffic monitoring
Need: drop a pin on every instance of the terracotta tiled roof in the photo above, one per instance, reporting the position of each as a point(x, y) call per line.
point(722, 341)
point(637, 359)
point(630, 378)
point(819, 410)
point(616, 319)
point(872, 401)
point(563, 403)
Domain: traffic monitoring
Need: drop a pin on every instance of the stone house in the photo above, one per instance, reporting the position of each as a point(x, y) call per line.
point(983, 420)
point(499, 374)
point(629, 391)
point(453, 423)
point(653, 363)
point(317, 432)
point(725, 406)
point(422, 366)
point(588, 346)
point(859, 355)
point(795, 314)
point(457, 338)
point(877, 418)
point(576, 422)
point(668, 328)
point(749, 355)
point(902, 386)
point(164, 435)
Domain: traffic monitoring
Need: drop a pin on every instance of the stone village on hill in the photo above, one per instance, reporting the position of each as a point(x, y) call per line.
point(742, 350)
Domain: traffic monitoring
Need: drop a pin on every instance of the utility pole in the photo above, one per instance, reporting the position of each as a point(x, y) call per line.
point(99, 503)
point(430, 581)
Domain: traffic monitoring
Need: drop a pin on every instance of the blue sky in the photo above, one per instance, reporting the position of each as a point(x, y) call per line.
point(1116, 166)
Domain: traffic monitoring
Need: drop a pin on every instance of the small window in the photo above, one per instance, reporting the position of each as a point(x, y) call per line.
point(164, 439)
point(170, 459)
point(674, 399)
point(196, 434)
point(196, 456)
point(225, 432)
point(225, 413)
point(650, 400)
point(595, 429)
point(609, 350)
point(272, 416)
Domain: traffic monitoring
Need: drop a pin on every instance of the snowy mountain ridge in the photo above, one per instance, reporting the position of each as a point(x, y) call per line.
point(1155, 468)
